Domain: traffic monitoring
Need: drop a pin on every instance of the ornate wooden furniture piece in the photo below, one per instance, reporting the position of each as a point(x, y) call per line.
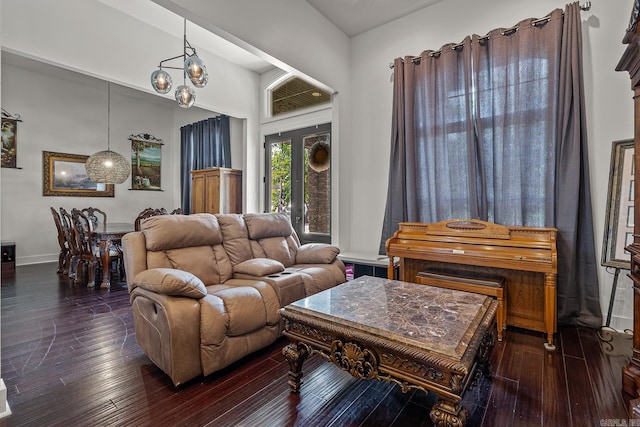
point(87, 257)
point(96, 216)
point(64, 255)
point(630, 62)
point(419, 337)
point(108, 237)
point(74, 252)
point(216, 190)
point(526, 257)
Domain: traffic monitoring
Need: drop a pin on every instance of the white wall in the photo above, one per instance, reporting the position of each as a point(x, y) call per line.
point(95, 39)
point(67, 113)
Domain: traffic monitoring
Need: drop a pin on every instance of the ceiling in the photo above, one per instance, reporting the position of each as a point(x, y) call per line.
point(353, 17)
point(357, 16)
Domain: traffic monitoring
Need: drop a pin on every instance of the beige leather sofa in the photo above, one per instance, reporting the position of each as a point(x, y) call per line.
point(206, 289)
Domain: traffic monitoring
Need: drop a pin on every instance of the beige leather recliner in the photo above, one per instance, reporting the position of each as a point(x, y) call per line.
point(206, 289)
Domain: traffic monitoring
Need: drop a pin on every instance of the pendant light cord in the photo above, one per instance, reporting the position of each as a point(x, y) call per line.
point(108, 116)
point(184, 52)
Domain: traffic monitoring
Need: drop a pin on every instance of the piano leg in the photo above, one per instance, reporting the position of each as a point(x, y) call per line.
point(550, 308)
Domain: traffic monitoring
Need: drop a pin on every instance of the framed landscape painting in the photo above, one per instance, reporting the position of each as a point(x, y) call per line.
point(65, 175)
point(146, 159)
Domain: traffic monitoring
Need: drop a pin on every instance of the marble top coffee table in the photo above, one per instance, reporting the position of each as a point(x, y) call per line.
point(417, 336)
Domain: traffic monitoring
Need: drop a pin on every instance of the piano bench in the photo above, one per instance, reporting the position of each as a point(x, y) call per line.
point(493, 286)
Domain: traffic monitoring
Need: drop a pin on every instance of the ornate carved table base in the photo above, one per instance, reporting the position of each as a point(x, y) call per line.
point(108, 236)
point(372, 353)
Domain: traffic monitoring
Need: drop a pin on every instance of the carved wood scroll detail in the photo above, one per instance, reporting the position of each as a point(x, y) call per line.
point(360, 362)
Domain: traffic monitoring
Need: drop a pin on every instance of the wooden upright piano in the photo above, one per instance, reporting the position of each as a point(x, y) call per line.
point(525, 256)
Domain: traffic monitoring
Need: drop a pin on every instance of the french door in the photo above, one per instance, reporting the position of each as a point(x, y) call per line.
point(298, 180)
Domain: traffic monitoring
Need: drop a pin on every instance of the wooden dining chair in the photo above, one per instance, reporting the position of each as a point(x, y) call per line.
point(88, 264)
point(74, 251)
point(149, 212)
point(89, 250)
point(63, 256)
point(96, 216)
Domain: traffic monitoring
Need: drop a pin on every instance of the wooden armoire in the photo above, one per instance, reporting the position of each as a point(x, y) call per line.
point(630, 62)
point(216, 190)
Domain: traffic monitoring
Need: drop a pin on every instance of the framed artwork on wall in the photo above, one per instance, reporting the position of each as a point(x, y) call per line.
point(65, 175)
point(8, 157)
point(619, 221)
point(146, 162)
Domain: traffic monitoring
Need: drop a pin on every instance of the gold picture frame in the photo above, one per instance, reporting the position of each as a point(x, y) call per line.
point(64, 174)
point(618, 230)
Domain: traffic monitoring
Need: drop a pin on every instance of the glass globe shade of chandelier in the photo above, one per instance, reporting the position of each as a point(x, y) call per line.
point(161, 81)
point(108, 167)
point(185, 95)
point(197, 71)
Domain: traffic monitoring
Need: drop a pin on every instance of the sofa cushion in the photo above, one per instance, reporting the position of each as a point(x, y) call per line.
point(316, 253)
point(169, 281)
point(236, 239)
point(274, 248)
point(259, 267)
point(209, 263)
point(180, 231)
point(265, 225)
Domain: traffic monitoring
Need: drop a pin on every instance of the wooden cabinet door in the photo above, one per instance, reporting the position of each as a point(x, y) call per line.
point(197, 193)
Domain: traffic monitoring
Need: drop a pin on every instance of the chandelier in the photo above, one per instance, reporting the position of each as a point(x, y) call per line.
point(107, 166)
point(192, 66)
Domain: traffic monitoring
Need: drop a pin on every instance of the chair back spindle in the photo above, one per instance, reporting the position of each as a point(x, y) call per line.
point(149, 212)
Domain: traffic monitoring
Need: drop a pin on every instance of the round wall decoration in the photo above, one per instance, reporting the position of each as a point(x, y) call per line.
point(319, 159)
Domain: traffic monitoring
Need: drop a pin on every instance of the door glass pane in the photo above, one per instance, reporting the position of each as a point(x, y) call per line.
point(280, 177)
point(298, 180)
point(317, 184)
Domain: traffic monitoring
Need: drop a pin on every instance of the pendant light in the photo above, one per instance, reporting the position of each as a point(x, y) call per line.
point(192, 67)
point(107, 166)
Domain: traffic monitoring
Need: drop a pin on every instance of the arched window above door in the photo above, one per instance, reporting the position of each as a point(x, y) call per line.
point(296, 94)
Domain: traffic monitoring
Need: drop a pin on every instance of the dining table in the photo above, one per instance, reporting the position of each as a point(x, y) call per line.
point(108, 235)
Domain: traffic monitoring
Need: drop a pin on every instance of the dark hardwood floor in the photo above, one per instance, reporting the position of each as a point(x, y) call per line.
point(69, 358)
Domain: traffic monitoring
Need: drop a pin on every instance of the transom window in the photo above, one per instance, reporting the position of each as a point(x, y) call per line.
point(296, 94)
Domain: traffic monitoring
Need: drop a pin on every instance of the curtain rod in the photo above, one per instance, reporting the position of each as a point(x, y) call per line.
point(584, 7)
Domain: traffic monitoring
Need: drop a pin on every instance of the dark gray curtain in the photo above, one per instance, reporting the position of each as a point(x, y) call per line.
point(493, 128)
point(578, 289)
point(204, 144)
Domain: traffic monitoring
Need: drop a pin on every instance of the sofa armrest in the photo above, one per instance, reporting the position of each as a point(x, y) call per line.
point(316, 253)
point(170, 281)
point(168, 330)
point(134, 255)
